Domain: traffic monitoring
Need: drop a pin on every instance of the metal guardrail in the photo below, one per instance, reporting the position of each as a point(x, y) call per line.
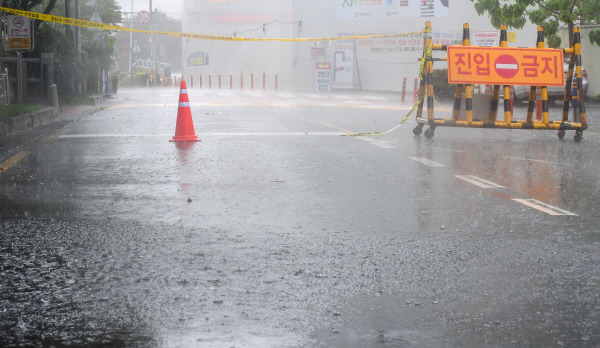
point(4, 88)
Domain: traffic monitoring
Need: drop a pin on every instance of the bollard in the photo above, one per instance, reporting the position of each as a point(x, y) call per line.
point(415, 92)
point(252, 81)
point(276, 83)
point(264, 81)
point(200, 78)
point(230, 81)
point(219, 82)
point(209, 81)
point(191, 81)
point(242, 81)
point(403, 90)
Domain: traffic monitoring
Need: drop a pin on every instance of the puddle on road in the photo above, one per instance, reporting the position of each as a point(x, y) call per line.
point(382, 321)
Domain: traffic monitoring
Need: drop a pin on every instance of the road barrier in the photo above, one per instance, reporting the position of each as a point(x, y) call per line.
point(537, 67)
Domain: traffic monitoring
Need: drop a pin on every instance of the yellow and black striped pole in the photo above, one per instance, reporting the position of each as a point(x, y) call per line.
point(545, 114)
point(568, 85)
point(459, 87)
point(422, 71)
point(579, 77)
point(496, 89)
point(468, 87)
point(428, 55)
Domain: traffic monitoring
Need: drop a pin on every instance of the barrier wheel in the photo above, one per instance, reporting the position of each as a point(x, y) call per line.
point(429, 133)
point(561, 133)
point(578, 136)
point(418, 130)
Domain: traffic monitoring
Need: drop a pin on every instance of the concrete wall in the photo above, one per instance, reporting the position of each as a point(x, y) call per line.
point(382, 64)
point(243, 19)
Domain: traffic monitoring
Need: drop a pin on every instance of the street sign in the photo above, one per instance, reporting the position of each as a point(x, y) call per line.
point(143, 17)
point(505, 66)
point(20, 36)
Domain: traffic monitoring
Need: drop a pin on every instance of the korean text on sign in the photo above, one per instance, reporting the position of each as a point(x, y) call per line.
point(505, 66)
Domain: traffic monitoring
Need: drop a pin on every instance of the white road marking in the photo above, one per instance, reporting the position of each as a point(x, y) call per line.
point(426, 162)
point(444, 149)
point(472, 179)
point(543, 207)
point(285, 95)
point(533, 160)
point(315, 96)
point(384, 144)
point(74, 136)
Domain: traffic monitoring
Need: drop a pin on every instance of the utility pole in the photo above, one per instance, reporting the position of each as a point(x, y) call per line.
point(151, 39)
point(78, 30)
point(130, 38)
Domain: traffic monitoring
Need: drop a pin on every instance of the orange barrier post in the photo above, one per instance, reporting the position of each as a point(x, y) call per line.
point(415, 92)
point(403, 90)
point(184, 130)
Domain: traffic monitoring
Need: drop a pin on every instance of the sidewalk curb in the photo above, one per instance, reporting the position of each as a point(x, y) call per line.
point(48, 115)
point(28, 121)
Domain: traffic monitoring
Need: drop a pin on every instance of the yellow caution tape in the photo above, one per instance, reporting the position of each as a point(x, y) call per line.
point(391, 129)
point(94, 25)
point(427, 54)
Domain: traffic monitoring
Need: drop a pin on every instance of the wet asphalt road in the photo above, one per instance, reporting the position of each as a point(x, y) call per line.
point(276, 231)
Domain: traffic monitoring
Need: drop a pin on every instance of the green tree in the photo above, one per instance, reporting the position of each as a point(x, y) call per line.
point(97, 46)
point(552, 15)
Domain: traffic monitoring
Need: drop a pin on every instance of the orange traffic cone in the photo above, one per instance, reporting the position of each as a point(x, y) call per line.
point(184, 130)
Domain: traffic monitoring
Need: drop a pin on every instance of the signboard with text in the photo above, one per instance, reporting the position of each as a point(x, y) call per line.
point(505, 66)
point(343, 61)
point(19, 36)
point(485, 38)
point(198, 59)
point(393, 9)
point(323, 77)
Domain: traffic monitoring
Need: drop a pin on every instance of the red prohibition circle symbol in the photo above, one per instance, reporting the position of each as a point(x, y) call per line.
point(506, 66)
point(18, 22)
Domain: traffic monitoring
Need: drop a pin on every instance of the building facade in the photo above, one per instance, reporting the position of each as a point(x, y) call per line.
point(358, 64)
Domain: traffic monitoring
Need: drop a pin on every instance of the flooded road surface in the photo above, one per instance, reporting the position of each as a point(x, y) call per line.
point(277, 231)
